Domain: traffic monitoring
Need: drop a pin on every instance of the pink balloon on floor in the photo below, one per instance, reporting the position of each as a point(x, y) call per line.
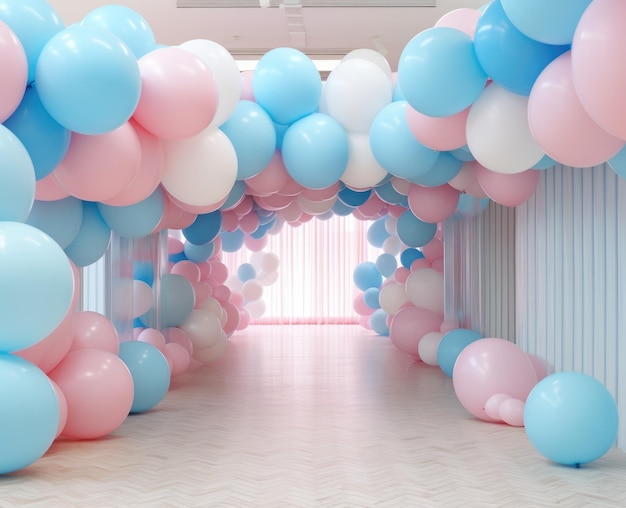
point(179, 336)
point(512, 412)
point(153, 337)
point(177, 357)
point(492, 406)
point(409, 325)
point(508, 189)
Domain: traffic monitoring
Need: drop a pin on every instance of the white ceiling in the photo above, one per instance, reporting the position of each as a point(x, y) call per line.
point(249, 32)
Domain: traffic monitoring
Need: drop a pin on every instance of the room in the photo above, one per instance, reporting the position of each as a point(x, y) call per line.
point(312, 253)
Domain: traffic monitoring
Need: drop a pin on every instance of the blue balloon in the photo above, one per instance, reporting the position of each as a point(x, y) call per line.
point(618, 163)
point(236, 194)
point(388, 193)
point(366, 276)
point(552, 22)
point(469, 205)
point(370, 297)
point(198, 253)
point(232, 241)
point(316, 151)
point(43, 137)
point(511, 59)
point(394, 146)
point(407, 256)
point(378, 322)
point(88, 80)
point(30, 413)
point(377, 232)
point(126, 24)
point(386, 264)
point(262, 230)
point(545, 163)
point(251, 131)
point(150, 372)
point(36, 285)
point(34, 22)
point(60, 219)
point(397, 93)
point(138, 220)
point(287, 85)
point(451, 345)
point(439, 73)
point(280, 130)
point(246, 272)
point(93, 237)
point(414, 232)
point(341, 209)
point(204, 228)
point(17, 178)
point(571, 418)
point(353, 198)
point(144, 271)
point(463, 154)
point(177, 300)
point(444, 170)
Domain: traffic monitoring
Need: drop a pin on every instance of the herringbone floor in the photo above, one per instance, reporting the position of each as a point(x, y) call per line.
point(323, 416)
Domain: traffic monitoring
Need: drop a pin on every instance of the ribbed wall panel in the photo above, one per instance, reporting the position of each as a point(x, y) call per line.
point(94, 287)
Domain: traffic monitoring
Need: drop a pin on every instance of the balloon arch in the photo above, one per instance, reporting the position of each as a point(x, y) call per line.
point(107, 133)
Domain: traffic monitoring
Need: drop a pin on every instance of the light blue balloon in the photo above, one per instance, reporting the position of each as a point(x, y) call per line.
point(150, 372)
point(439, 73)
point(17, 178)
point(618, 163)
point(511, 59)
point(414, 232)
point(246, 272)
point(36, 285)
point(386, 264)
point(571, 418)
point(88, 80)
point(177, 300)
point(287, 85)
point(60, 219)
point(397, 93)
point(545, 163)
point(280, 130)
point(444, 170)
point(451, 345)
point(138, 220)
point(394, 146)
point(341, 209)
point(126, 24)
point(93, 237)
point(378, 322)
point(34, 22)
point(232, 241)
point(316, 151)
point(377, 232)
point(387, 193)
point(44, 138)
point(366, 276)
point(30, 413)
point(468, 205)
point(235, 195)
point(370, 298)
point(199, 253)
point(550, 22)
point(251, 131)
point(463, 154)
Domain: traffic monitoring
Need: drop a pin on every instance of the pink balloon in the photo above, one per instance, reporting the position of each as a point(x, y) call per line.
point(93, 330)
point(153, 337)
point(401, 274)
point(409, 325)
point(320, 194)
point(512, 412)
point(466, 181)
point(174, 245)
point(202, 290)
point(173, 216)
point(433, 249)
point(439, 133)
point(232, 318)
point(219, 271)
point(541, 366)
point(187, 269)
point(433, 204)
point(561, 125)
point(244, 319)
point(178, 93)
point(14, 72)
point(508, 189)
point(598, 55)
point(463, 19)
point(62, 407)
point(437, 264)
point(448, 325)
point(490, 366)
point(247, 94)
point(221, 293)
point(178, 358)
point(364, 321)
point(244, 207)
point(492, 406)
point(274, 202)
point(272, 179)
point(237, 298)
point(360, 307)
point(372, 206)
point(49, 189)
point(97, 168)
point(255, 244)
point(177, 335)
point(98, 388)
point(249, 223)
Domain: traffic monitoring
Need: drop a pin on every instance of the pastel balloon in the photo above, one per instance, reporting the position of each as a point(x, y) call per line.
point(451, 345)
point(409, 325)
point(427, 348)
point(363, 170)
point(203, 327)
point(413, 231)
point(446, 168)
point(177, 357)
point(463, 19)
point(508, 190)
point(372, 56)
point(137, 220)
point(439, 133)
point(15, 67)
point(512, 412)
point(492, 406)
point(17, 178)
point(93, 237)
point(433, 204)
point(94, 330)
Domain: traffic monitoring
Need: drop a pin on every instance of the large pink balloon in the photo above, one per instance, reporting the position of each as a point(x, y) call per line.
point(560, 123)
point(93, 330)
point(508, 190)
point(439, 133)
point(49, 189)
point(14, 71)
point(490, 366)
point(98, 388)
point(409, 325)
point(433, 204)
point(178, 93)
point(598, 56)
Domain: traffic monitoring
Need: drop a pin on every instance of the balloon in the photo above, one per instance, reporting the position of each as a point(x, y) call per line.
point(414, 232)
point(177, 357)
point(32, 264)
point(287, 85)
point(445, 169)
point(512, 412)
point(439, 133)
point(366, 276)
point(463, 19)
point(92, 239)
point(451, 345)
point(433, 204)
point(150, 372)
point(17, 178)
point(425, 288)
point(409, 325)
point(439, 73)
point(492, 406)
point(508, 190)
point(92, 330)
point(210, 354)
point(177, 300)
point(88, 80)
point(137, 220)
point(372, 56)
point(48, 189)
point(98, 388)
point(407, 256)
point(204, 328)
point(142, 298)
point(272, 179)
point(378, 322)
point(392, 298)
point(386, 264)
point(30, 410)
point(62, 407)
point(427, 348)
point(571, 418)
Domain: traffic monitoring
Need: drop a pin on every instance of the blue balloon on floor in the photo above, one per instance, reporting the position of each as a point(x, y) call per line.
point(150, 372)
point(571, 418)
point(378, 322)
point(451, 345)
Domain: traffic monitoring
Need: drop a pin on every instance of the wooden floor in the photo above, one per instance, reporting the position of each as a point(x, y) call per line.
point(323, 416)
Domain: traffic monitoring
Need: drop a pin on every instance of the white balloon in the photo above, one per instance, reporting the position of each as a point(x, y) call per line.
point(393, 245)
point(363, 170)
point(267, 279)
point(252, 290)
point(316, 207)
point(498, 133)
point(371, 56)
point(256, 308)
point(425, 287)
point(270, 262)
point(203, 327)
point(210, 354)
point(212, 305)
point(142, 298)
point(427, 348)
point(392, 297)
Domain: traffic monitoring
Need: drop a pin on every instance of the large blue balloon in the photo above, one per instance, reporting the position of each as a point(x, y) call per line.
point(511, 59)
point(204, 229)
point(126, 24)
point(60, 219)
point(366, 276)
point(451, 345)
point(177, 300)
point(198, 253)
point(251, 131)
point(394, 146)
point(378, 322)
point(138, 220)
point(88, 80)
point(571, 418)
point(439, 73)
point(316, 151)
point(232, 241)
point(377, 232)
point(414, 232)
point(36, 285)
point(444, 170)
point(150, 372)
point(93, 237)
point(407, 256)
point(17, 178)
point(371, 298)
point(287, 85)
point(43, 137)
point(34, 22)
point(30, 413)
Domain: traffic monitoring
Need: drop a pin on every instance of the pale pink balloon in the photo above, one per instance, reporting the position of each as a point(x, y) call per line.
point(97, 168)
point(508, 189)
point(243, 207)
point(466, 180)
point(244, 319)
point(255, 244)
point(372, 206)
point(272, 179)
point(14, 72)
point(463, 19)
point(360, 307)
point(409, 325)
point(247, 94)
point(492, 406)
point(448, 325)
point(320, 194)
point(401, 274)
point(187, 269)
point(49, 189)
point(490, 366)
point(433, 204)
point(178, 358)
point(202, 290)
point(153, 337)
point(237, 298)
point(364, 321)
point(560, 123)
point(221, 293)
point(232, 318)
point(437, 264)
point(433, 249)
point(198, 209)
point(178, 93)
point(173, 216)
point(541, 366)
point(93, 330)
point(512, 412)
point(177, 335)
point(62, 407)
point(439, 133)
point(249, 223)
point(598, 55)
point(274, 202)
